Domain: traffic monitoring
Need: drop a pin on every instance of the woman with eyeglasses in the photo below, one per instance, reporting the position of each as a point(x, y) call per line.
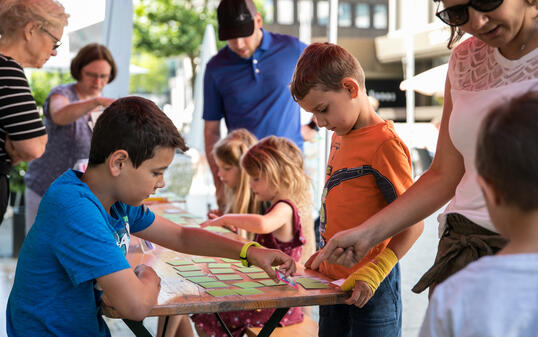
point(70, 111)
point(30, 33)
point(498, 62)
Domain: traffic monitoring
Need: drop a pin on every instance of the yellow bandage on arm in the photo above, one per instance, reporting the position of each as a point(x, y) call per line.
point(374, 272)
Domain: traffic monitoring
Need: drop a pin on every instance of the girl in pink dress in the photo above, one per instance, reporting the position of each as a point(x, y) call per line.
point(276, 169)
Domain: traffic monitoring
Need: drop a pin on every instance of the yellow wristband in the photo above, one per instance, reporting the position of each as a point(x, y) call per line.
point(243, 254)
point(374, 272)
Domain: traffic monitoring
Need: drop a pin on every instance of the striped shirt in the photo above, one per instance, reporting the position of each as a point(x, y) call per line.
point(19, 117)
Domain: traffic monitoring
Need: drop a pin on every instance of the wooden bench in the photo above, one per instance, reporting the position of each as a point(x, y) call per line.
point(307, 328)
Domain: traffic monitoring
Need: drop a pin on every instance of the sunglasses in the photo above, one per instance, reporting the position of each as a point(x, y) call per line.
point(459, 15)
point(57, 42)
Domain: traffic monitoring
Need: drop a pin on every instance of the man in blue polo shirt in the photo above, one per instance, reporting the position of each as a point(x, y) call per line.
point(247, 82)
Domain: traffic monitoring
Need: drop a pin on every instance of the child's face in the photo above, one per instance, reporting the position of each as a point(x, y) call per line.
point(228, 174)
point(262, 189)
point(337, 111)
point(138, 184)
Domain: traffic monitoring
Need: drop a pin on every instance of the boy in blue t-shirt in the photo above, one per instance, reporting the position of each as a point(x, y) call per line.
point(78, 242)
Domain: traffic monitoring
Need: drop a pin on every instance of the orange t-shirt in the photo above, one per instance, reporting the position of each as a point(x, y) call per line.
point(351, 194)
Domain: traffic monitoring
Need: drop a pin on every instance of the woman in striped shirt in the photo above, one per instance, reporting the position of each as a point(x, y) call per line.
point(30, 33)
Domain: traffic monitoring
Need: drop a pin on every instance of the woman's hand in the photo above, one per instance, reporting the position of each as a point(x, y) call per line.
point(104, 101)
point(266, 258)
point(346, 248)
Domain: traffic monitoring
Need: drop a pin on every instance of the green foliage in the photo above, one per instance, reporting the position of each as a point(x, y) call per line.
point(170, 27)
point(155, 81)
point(42, 82)
point(16, 177)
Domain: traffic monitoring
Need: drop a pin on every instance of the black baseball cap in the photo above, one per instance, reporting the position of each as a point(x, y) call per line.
point(236, 18)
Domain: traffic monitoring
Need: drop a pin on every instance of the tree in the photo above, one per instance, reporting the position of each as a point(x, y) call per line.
point(171, 28)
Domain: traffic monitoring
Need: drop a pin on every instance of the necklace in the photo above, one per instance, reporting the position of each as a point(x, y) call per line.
point(524, 44)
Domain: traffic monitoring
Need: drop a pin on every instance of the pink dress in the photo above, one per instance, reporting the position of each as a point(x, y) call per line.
point(238, 321)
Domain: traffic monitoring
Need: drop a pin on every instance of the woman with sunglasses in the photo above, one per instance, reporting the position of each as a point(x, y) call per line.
point(498, 62)
point(70, 111)
point(30, 33)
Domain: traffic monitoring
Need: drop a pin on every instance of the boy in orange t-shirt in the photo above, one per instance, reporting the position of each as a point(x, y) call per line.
point(369, 166)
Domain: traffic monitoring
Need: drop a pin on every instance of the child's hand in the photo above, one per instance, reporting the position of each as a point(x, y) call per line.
point(361, 294)
point(308, 263)
point(266, 258)
point(214, 213)
point(210, 222)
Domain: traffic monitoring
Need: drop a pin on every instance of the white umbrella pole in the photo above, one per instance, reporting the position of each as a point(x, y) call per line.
point(409, 66)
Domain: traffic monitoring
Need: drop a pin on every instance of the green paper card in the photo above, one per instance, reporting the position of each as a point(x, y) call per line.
point(179, 262)
point(248, 291)
point(258, 275)
point(187, 268)
point(250, 269)
point(200, 279)
point(270, 283)
point(228, 277)
point(216, 229)
point(219, 265)
point(191, 273)
point(309, 283)
point(224, 259)
point(222, 271)
point(203, 259)
point(214, 284)
point(238, 264)
point(248, 285)
point(221, 292)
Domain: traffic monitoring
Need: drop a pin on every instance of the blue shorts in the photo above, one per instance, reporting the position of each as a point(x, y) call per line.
point(380, 317)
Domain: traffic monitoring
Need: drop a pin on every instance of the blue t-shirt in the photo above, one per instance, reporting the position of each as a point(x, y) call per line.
point(254, 93)
point(72, 242)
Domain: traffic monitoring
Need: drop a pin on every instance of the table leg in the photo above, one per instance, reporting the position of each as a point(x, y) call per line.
point(273, 322)
point(137, 328)
point(164, 325)
point(226, 330)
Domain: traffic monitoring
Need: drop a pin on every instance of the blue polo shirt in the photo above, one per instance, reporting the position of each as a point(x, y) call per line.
point(254, 93)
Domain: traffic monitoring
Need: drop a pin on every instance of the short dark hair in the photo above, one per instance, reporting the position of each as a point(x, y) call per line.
point(89, 53)
point(507, 151)
point(324, 65)
point(134, 124)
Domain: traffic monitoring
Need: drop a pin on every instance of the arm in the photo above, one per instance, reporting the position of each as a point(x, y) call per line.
point(119, 287)
point(429, 193)
point(27, 150)
point(187, 240)
point(63, 112)
point(211, 137)
point(280, 215)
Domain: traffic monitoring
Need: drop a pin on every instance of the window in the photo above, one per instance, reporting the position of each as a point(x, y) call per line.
point(268, 6)
point(380, 17)
point(344, 14)
point(362, 16)
point(285, 12)
point(323, 13)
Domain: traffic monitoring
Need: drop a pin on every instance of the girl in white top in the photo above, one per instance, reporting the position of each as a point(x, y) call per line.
point(498, 62)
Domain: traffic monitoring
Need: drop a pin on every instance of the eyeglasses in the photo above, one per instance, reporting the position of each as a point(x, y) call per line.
point(96, 76)
point(57, 42)
point(459, 15)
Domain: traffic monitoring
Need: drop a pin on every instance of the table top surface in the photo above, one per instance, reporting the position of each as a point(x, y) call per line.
point(181, 296)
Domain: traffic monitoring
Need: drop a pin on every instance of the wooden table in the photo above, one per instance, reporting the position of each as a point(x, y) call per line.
point(179, 296)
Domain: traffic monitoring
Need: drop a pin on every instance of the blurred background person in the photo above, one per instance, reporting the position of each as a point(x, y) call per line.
point(30, 34)
point(70, 113)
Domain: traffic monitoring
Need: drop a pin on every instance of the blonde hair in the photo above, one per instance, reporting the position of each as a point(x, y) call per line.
point(229, 150)
point(281, 163)
point(15, 14)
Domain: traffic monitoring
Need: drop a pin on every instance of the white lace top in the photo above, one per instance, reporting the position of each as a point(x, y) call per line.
point(481, 78)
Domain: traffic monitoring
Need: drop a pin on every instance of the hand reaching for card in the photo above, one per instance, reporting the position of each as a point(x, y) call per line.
point(266, 258)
